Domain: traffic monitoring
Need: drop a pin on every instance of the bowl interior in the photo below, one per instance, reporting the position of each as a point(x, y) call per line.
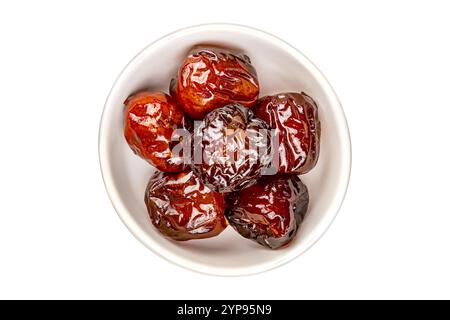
point(280, 69)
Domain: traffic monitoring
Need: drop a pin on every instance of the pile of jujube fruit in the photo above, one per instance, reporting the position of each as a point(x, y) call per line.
point(232, 171)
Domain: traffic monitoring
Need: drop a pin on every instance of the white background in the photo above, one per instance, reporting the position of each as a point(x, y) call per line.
point(389, 63)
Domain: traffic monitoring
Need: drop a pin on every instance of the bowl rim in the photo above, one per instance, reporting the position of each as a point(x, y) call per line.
point(141, 235)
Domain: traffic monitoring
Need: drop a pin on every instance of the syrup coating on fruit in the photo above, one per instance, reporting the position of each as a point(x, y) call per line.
point(211, 78)
point(182, 208)
point(270, 211)
point(295, 117)
point(150, 119)
point(231, 147)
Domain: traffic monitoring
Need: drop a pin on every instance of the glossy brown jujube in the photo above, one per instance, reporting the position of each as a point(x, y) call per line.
point(150, 119)
point(295, 116)
point(230, 148)
point(270, 211)
point(182, 208)
point(211, 78)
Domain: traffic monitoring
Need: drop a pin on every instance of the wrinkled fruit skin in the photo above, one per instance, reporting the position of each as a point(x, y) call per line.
point(211, 78)
point(231, 147)
point(269, 212)
point(182, 208)
point(150, 119)
point(295, 116)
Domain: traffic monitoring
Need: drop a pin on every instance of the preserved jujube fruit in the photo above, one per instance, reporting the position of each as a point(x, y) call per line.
point(182, 208)
point(212, 77)
point(270, 211)
point(230, 148)
point(295, 116)
point(150, 119)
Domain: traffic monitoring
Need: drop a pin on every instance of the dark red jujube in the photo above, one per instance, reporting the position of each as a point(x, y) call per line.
point(211, 78)
point(295, 116)
point(270, 211)
point(230, 147)
point(182, 208)
point(150, 119)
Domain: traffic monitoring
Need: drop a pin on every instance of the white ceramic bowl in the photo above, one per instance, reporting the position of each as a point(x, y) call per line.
point(280, 68)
